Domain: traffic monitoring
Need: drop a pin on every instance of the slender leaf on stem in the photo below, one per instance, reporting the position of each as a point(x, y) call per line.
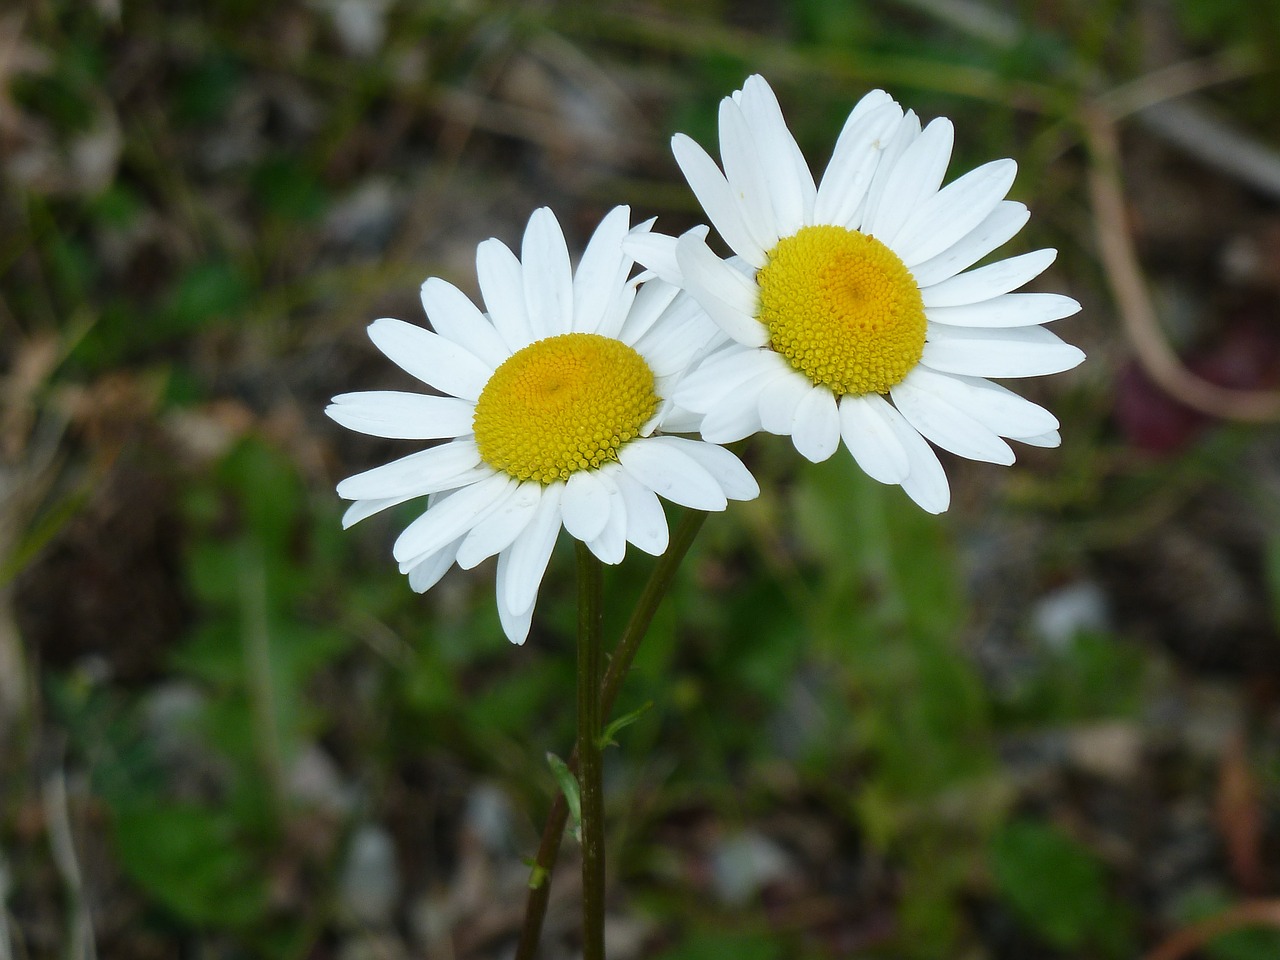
point(569, 787)
point(606, 737)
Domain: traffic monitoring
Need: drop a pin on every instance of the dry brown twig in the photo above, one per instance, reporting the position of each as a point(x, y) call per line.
point(1251, 913)
point(1137, 312)
point(1151, 98)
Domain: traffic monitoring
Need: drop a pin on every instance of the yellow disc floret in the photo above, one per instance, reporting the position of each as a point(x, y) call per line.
point(843, 309)
point(563, 404)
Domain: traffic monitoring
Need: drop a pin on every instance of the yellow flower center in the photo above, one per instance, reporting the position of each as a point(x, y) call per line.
point(843, 309)
point(563, 404)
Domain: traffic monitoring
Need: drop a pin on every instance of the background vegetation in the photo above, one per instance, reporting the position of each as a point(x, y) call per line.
point(1044, 725)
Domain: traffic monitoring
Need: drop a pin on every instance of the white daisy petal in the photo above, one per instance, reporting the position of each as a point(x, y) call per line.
point(433, 359)
point(955, 210)
point(585, 505)
point(548, 277)
point(914, 178)
point(686, 331)
point(999, 228)
point(417, 474)
point(456, 318)
point(868, 102)
point(672, 473)
point(452, 517)
point(1001, 225)
point(815, 431)
point(610, 545)
point(428, 572)
point(745, 176)
point(617, 308)
point(652, 300)
point(502, 286)
point(525, 561)
point(948, 427)
point(999, 409)
point(989, 281)
point(676, 419)
point(1017, 352)
point(731, 371)
point(779, 398)
point(408, 563)
point(599, 279)
point(926, 481)
point(873, 441)
point(514, 625)
point(1007, 310)
point(656, 252)
point(893, 147)
point(734, 478)
point(711, 188)
point(853, 164)
point(363, 509)
point(646, 522)
point(402, 416)
point(791, 186)
point(729, 421)
point(500, 528)
point(1050, 439)
point(723, 292)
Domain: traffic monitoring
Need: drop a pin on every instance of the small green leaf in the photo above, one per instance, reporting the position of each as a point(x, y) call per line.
point(606, 735)
point(569, 786)
point(192, 860)
point(205, 93)
point(538, 874)
point(289, 189)
point(210, 292)
point(1058, 887)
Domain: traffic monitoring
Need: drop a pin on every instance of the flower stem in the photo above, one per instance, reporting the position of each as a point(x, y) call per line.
point(619, 663)
point(590, 760)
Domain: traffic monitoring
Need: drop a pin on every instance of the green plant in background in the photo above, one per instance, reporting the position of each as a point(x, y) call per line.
point(1059, 889)
point(888, 613)
point(831, 591)
point(203, 825)
point(257, 649)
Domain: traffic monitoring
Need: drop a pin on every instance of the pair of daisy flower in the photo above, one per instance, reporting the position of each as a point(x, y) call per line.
point(846, 313)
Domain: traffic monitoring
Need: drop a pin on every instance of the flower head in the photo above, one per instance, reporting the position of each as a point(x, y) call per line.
point(552, 414)
point(848, 308)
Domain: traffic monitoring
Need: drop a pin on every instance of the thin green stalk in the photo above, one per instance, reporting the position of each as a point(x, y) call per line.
point(619, 663)
point(590, 760)
point(256, 644)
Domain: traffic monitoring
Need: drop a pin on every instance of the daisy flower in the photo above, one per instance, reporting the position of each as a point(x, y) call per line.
point(552, 409)
point(848, 308)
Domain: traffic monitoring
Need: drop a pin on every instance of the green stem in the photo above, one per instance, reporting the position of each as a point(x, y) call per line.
point(256, 648)
point(623, 654)
point(590, 760)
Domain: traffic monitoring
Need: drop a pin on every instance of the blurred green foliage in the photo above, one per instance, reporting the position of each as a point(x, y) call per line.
point(831, 591)
point(257, 559)
point(1060, 889)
